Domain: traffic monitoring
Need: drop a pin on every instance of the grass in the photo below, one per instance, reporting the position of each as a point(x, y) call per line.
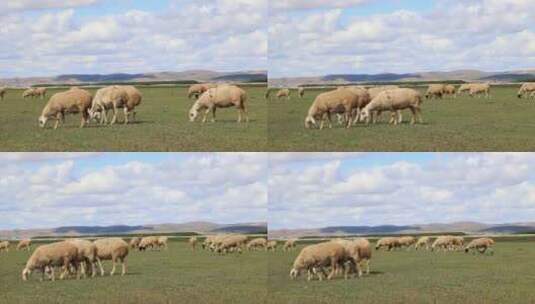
point(163, 125)
point(503, 123)
point(176, 275)
point(417, 277)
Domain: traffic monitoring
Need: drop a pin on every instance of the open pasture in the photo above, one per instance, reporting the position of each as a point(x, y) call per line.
point(162, 124)
point(175, 275)
point(502, 123)
point(403, 276)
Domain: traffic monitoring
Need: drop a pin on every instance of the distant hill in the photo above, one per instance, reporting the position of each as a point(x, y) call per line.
point(367, 229)
point(369, 78)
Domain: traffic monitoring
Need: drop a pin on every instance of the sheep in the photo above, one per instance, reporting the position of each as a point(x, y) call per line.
point(464, 88)
point(223, 96)
point(525, 89)
point(448, 242)
point(480, 88)
point(301, 92)
point(407, 241)
point(217, 240)
point(133, 99)
point(208, 240)
point(71, 101)
point(46, 257)
point(193, 242)
point(197, 90)
point(25, 244)
point(336, 101)
point(2, 92)
point(232, 243)
point(289, 244)
point(423, 241)
point(114, 249)
point(359, 252)
point(363, 100)
point(374, 91)
point(111, 97)
point(457, 243)
point(134, 242)
point(28, 93)
point(394, 100)
point(387, 242)
point(284, 93)
point(481, 245)
point(313, 258)
point(271, 245)
point(162, 242)
point(87, 255)
point(40, 92)
point(435, 91)
point(256, 243)
point(4, 246)
point(148, 241)
point(449, 90)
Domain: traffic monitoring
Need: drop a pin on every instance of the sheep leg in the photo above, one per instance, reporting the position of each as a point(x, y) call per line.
point(114, 262)
point(125, 111)
point(85, 117)
point(100, 266)
point(52, 275)
point(246, 113)
point(334, 268)
point(205, 115)
point(124, 267)
point(213, 114)
point(114, 119)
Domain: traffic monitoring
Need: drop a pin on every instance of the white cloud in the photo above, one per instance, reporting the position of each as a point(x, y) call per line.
point(311, 4)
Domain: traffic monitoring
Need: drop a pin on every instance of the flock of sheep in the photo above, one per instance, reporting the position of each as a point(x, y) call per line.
point(353, 104)
point(339, 256)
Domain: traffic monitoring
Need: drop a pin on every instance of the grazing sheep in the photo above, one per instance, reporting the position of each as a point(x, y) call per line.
point(363, 100)
point(464, 88)
point(71, 101)
point(148, 241)
point(359, 252)
point(481, 245)
point(134, 242)
point(109, 98)
point(4, 246)
point(28, 93)
point(477, 89)
point(114, 249)
point(449, 90)
point(87, 255)
point(133, 99)
point(423, 241)
point(25, 244)
point(388, 242)
point(46, 257)
point(2, 92)
point(394, 100)
point(448, 242)
point(40, 92)
point(289, 244)
point(457, 243)
point(208, 240)
point(301, 92)
point(341, 101)
point(271, 245)
point(374, 91)
point(313, 258)
point(197, 90)
point(284, 93)
point(232, 243)
point(256, 243)
point(223, 96)
point(435, 91)
point(162, 242)
point(407, 241)
point(525, 89)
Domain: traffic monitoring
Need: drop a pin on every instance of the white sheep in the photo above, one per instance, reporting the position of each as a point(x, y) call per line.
point(395, 100)
point(114, 249)
point(223, 96)
point(46, 257)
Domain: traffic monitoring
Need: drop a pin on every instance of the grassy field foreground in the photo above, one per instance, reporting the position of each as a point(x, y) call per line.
point(508, 276)
point(176, 275)
point(163, 125)
point(503, 123)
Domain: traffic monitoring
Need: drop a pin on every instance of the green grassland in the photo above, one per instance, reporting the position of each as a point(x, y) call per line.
point(503, 123)
point(162, 125)
point(176, 275)
point(403, 276)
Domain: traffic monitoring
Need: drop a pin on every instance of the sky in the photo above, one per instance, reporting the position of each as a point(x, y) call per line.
point(47, 190)
point(53, 37)
point(315, 37)
point(315, 190)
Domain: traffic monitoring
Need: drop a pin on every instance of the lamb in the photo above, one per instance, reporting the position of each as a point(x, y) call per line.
point(336, 101)
point(114, 249)
point(271, 245)
point(4, 246)
point(480, 88)
point(301, 92)
point(313, 258)
point(256, 243)
point(162, 242)
point(435, 91)
point(134, 242)
point(387, 242)
point(111, 97)
point(423, 241)
point(481, 245)
point(87, 255)
point(394, 100)
point(289, 244)
point(223, 96)
point(2, 92)
point(283, 93)
point(46, 257)
point(71, 101)
point(407, 241)
point(193, 242)
point(525, 89)
point(197, 90)
point(25, 244)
